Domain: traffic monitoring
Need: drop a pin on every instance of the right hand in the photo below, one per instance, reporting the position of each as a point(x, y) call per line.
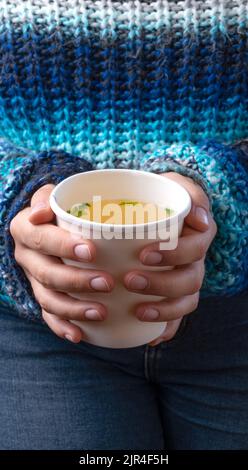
point(39, 245)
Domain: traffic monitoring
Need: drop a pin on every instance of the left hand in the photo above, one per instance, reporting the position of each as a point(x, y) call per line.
point(181, 285)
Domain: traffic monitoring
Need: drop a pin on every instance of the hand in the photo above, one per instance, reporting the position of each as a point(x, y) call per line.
point(39, 244)
point(180, 286)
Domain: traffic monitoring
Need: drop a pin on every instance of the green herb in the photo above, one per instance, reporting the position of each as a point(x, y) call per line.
point(79, 209)
point(122, 203)
point(83, 205)
point(168, 211)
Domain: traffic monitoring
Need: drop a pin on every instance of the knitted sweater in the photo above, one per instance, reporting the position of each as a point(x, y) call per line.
point(157, 85)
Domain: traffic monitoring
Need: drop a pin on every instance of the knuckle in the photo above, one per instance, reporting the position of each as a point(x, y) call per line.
point(200, 249)
point(43, 314)
point(42, 276)
point(63, 246)
point(167, 286)
point(202, 268)
point(38, 193)
point(17, 255)
point(196, 283)
point(201, 272)
point(44, 302)
point(194, 303)
point(76, 282)
point(12, 227)
point(171, 287)
point(46, 188)
point(37, 239)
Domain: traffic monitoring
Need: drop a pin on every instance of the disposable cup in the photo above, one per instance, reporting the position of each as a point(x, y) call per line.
point(118, 246)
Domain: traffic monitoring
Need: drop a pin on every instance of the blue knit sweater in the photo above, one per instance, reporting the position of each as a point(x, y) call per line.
point(157, 85)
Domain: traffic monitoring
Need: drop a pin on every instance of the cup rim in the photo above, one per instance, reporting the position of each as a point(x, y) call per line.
point(91, 224)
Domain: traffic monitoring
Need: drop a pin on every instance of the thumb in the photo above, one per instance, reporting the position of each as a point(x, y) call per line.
point(198, 218)
point(41, 211)
point(199, 215)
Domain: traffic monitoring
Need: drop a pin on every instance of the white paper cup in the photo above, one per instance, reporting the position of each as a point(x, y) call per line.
point(121, 329)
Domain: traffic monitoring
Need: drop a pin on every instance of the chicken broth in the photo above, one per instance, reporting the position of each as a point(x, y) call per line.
point(119, 211)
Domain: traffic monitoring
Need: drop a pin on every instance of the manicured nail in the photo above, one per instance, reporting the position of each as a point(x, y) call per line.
point(38, 206)
point(137, 282)
point(99, 283)
point(69, 337)
point(202, 215)
point(92, 314)
point(82, 252)
point(153, 257)
point(148, 314)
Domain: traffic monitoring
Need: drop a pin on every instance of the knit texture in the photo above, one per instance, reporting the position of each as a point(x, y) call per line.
point(227, 260)
point(157, 85)
point(113, 80)
point(34, 172)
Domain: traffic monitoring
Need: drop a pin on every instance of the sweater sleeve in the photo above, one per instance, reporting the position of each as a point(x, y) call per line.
point(22, 172)
point(222, 172)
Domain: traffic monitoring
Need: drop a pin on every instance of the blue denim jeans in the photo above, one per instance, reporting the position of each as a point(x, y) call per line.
point(188, 393)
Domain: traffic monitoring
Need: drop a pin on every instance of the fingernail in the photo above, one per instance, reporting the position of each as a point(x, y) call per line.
point(99, 283)
point(202, 215)
point(82, 252)
point(153, 257)
point(69, 337)
point(38, 206)
point(148, 314)
point(137, 282)
point(92, 314)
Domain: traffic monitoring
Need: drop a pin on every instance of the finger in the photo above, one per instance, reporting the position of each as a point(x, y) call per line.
point(168, 333)
point(198, 217)
point(167, 309)
point(62, 328)
point(41, 211)
point(52, 240)
point(192, 246)
point(53, 274)
point(177, 282)
point(67, 307)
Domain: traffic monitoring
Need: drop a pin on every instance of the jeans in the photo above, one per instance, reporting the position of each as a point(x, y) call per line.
point(188, 393)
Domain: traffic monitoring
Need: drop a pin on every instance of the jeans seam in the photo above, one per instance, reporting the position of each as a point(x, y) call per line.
point(150, 363)
point(157, 361)
point(146, 364)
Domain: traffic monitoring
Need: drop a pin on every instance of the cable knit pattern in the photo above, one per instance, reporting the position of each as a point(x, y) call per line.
point(154, 84)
